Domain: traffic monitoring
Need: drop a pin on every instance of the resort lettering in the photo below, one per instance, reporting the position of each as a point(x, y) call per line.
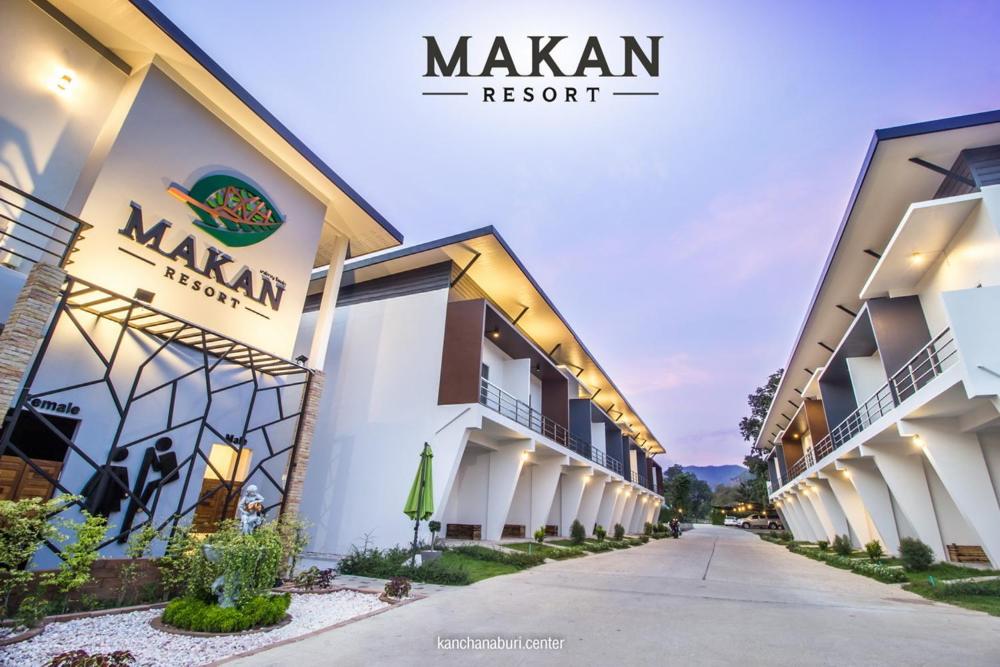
point(549, 58)
point(211, 267)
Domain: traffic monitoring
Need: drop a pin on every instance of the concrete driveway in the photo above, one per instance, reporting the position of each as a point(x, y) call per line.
point(717, 596)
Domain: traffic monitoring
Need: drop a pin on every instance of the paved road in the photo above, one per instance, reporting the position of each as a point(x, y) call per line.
point(717, 596)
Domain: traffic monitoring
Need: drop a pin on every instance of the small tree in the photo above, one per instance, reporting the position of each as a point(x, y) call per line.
point(842, 545)
point(78, 557)
point(540, 535)
point(916, 555)
point(619, 531)
point(600, 533)
point(294, 537)
point(577, 532)
point(435, 528)
point(24, 526)
point(875, 551)
point(177, 561)
point(138, 547)
point(823, 544)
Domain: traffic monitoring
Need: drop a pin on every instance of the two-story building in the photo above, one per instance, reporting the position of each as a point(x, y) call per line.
point(887, 421)
point(454, 343)
point(158, 231)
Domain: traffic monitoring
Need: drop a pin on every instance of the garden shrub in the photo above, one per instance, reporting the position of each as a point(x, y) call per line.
point(990, 587)
point(80, 658)
point(437, 572)
point(874, 551)
point(540, 535)
point(916, 555)
point(644, 538)
point(78, 556)
point(388, 563)
point(197, 615)
point(397, 588)
point(786, 536)
point(177, 563)
point(718, 518)
point(647, 528)
point(842, 545)
point(314, 578)
point(596, 547)
point(822, 544)
point(292, 533)
point(248, 563)
point(139, 545)
point(619, 531)
point(517, 559)
point(24, 526)
point(600, 533)
point(577, 532)
point(435, 528)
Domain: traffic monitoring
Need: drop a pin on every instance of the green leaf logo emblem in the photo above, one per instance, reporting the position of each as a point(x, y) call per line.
point(231, 210)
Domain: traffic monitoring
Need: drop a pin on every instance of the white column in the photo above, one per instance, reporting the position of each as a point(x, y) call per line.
point(574, 483)
point(609, 500)
point(626, 517)
point(590, 503)
point(638, 514)
point(328, 304)
point(850, 503)
point(874, 493)
point(812, 518)
point(819, 510)
point(616, 516)
point(958, 460)
point(544, 480)
point(797, 524)
point(902, 467)
point(834, 512)
point(505, 467)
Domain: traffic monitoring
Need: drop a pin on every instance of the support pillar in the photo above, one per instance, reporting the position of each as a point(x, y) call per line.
point(298, 462)
point(630, 502)
point(574, 483)
point(505, 468)
point(26, 327)
point(850, 503)
point(902, 467)
point(958, 459)
point(607, 507)
point(616, 516)
point(835, 521)
point(590, 503)
point(544, 481)
point(812, 518)
point(796, 520)
point(328, 304)
point(874, 494)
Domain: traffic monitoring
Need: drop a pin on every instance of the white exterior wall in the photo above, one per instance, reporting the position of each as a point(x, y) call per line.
point(379, 407)
point(598, 437)
point(867, 376)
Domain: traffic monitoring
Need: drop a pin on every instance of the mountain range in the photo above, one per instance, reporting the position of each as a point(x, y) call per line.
point(715, 475)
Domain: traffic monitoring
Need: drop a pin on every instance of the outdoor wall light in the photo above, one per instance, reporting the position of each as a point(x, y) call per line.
point(524, 455)
point(495, 333)
point(63, 81)
point(918, 441)
point(916, 259)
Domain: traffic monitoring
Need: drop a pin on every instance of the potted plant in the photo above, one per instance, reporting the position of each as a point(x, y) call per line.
point(540, 535)
point(396, 589)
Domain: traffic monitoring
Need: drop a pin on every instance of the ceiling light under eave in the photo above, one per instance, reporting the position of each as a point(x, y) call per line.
point(917, 259)
point(63, 82)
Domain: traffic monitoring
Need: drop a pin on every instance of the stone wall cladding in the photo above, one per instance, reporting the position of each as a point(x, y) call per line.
point(307, 427)
point(26, 327)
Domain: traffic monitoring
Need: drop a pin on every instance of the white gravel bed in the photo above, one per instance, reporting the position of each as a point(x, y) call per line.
point(132, 632)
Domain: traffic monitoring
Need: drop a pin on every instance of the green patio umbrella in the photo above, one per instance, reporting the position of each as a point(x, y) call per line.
point(420, 503)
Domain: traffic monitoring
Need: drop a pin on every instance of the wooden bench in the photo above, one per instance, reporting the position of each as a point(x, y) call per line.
point(512, 530)
point(463, 531)
point(966, 553)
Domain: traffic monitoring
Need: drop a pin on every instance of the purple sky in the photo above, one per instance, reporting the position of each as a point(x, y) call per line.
point(681, 235)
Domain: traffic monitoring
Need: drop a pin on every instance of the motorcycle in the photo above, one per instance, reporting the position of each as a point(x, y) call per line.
point(675, 530)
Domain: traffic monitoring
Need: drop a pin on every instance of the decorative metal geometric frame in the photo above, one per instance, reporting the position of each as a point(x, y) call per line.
point(273, 383)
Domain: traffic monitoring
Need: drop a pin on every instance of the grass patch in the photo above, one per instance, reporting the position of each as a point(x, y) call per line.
point(475, 568)
point(975, 595)
point(200, 616)
point(544, 551)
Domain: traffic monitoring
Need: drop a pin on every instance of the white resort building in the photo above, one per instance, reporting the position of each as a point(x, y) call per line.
point(887, 422)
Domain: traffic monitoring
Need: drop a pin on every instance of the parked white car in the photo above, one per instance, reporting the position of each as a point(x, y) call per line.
point(731, 521)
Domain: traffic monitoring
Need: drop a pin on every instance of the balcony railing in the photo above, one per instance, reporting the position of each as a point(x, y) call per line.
point(32, 230)
point(495, 398)
point(935, 357)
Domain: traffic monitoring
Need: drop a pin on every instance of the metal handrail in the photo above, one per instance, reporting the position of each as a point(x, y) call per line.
point(498, 400)
point(932, 360)
point(33, 230)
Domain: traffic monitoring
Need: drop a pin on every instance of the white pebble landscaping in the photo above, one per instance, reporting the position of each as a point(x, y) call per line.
point(132, 632)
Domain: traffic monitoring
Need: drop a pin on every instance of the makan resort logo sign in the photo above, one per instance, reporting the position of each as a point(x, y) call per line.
point(547, 60)
point(231, 210)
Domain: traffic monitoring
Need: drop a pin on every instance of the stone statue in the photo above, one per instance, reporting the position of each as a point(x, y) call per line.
point(250, 510)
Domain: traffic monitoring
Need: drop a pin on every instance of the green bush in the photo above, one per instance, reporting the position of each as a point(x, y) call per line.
point(718, 518)
point(197, 615)
point(596, 547)
point(786, 536)
point(916, 555)
point(600, 533)
point(990, 587)
point(395, 562)
point(517, 559)
point(842, 545)
point(78, 557)
point(577, 532)
point(644, 538)
point(866, 568)
point(822, 544)
point(874, 551)
point(647, 528)
point(540, 535)
point(249, 563)
point(397, 588)
point(24, 526)
point(619, 531)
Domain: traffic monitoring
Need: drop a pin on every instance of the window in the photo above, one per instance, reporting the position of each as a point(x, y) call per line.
point(230, 464)
point(485, 370)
